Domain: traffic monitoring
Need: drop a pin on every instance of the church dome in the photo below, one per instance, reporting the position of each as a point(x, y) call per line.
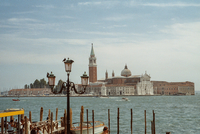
point(126, 72)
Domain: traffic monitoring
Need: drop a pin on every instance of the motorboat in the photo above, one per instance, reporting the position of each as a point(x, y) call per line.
point(103, 97)
point(125, 99)
point(15, 99)
point(98, 127)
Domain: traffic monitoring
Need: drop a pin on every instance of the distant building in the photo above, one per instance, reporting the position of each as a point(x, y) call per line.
point(4, 93)
point(174, 88)
point(29, 92)
point(128, 84)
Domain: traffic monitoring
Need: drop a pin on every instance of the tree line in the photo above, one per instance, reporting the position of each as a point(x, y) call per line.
point(42, 84)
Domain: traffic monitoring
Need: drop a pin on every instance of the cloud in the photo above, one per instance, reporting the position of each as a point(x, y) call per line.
point(20, 20)
point(44, 6)
point(119, 17)
point(115, 26)
point(171, 4)
point(89, 3)
point(185, 31)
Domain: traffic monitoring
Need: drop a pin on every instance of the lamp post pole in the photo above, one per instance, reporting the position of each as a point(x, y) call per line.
point(68, 105)
point(66, 86)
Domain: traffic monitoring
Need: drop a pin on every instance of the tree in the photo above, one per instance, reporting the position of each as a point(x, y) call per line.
point(59, 85)
point(36, 84)
point(25, 86)
point(43, 83)
point(31, 85)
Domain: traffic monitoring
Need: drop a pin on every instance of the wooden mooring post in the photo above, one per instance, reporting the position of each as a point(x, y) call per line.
point(5, 123)
point(51, 122)
point(81, 123)
point(108, 121)
point(168, 132)
point(2, 124)
point(118, 121)
point(41, 113)
point(131, 121)
point(56, 114)
point(145, 122)
point(65, 122)
point(93, 120)
point(30, 119)
point(26, 125)
point(153, 124)
point(87, 121)
point(49, 114)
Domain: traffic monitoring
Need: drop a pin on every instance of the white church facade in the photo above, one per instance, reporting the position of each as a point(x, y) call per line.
point(126, 84)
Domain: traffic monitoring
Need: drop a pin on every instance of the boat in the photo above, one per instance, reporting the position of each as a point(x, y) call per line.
point(98, 127)
point(125, 99)
point(15, 99)
point(103, 97)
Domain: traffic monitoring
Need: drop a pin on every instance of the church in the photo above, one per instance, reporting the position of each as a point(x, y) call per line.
point(126, 84)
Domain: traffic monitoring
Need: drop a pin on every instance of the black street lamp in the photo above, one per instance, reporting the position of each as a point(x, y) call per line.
point(66, 86)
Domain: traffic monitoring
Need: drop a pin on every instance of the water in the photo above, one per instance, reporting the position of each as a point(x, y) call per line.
point(175, 114)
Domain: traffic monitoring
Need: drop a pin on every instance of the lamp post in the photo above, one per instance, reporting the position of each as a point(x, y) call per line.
point(66, 86)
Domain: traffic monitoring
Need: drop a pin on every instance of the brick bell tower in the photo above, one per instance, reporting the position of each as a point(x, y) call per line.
point(92, 66)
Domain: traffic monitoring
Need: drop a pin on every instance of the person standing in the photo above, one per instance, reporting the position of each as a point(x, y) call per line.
point(105, 130)
point(11, 127)
point(21, 126)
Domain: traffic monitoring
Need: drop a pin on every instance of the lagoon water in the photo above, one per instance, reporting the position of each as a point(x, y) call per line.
point(175, 114)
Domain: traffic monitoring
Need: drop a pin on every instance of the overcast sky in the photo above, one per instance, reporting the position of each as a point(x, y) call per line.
point(158, 36)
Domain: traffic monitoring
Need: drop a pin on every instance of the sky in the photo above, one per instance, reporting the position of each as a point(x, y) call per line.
point(158, 36)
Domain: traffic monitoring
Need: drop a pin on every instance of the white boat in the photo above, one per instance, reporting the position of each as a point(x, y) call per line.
point(103, 97)
point(98, 127)
point(125, 99)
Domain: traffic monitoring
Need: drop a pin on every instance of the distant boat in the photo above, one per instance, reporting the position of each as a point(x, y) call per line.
point(125, 99)
point(103, 97)
point(15, 99)
point(98, 127)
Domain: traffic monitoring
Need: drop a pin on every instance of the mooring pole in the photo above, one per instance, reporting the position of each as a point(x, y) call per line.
point(41, 113)
point(145, 122)
point(30, 119)
point(51, 122)
point(56, 114)
point(93, 119)
point(81, 124)
point(131, 121)
point(65, 123)
point(151, 127)
point(118, 122)
point(108, 121)
point(2, 124)
point(87, 121)
point(154, 124)
point(6, 124)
